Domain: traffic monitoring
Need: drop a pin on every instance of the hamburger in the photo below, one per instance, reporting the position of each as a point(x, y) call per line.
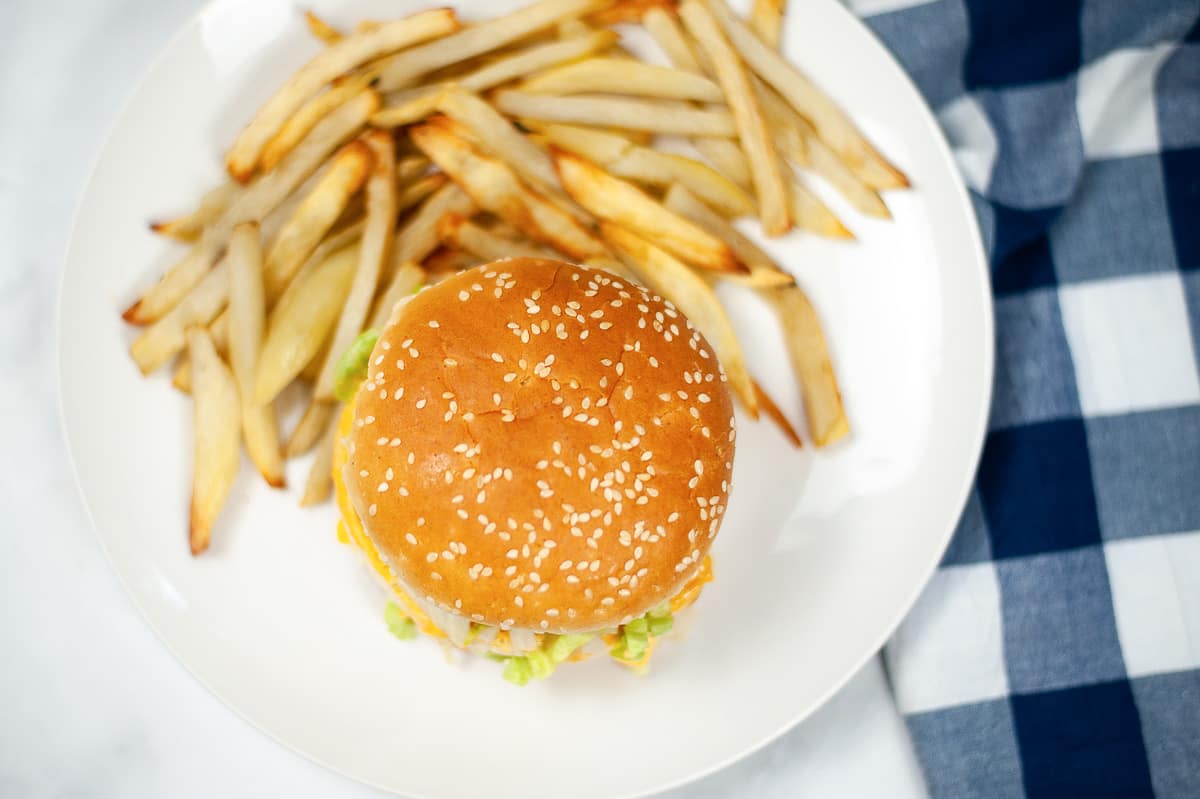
point(535, 462)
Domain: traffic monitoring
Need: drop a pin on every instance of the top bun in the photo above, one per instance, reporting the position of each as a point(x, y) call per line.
point(541, 445)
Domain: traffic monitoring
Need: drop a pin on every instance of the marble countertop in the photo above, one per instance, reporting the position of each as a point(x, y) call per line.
point(93, 704)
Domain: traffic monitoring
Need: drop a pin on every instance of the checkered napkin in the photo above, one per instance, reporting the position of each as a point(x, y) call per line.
point(1056, 653)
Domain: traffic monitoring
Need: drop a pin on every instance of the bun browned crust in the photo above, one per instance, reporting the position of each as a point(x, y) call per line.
point(542, 445)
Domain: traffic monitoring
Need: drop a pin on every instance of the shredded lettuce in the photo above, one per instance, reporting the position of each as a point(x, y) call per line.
point(398, 624)
point(351, 369)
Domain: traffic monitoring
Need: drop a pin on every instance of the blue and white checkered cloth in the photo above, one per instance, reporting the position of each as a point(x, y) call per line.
point(1056, 653)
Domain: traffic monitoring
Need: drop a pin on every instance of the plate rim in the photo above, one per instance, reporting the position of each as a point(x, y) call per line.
point(962, 492)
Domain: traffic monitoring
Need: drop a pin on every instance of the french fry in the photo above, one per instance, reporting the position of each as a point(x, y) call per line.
point(373, 254)
point(462, 234)
point(492, 134)
point(310, 428)
point(410, 168)
point(407, 107)
point(344, 55)
point(810, 360)
point(764, 272)
point(408, 279)
point(655, 116)
point(537, 57)
point(832, 124)
point(625, 159)
point(766, 20)
point(315, 216)
point(210, 208)
point(219, 330)
point(662, 272)
point(162, 340)
point(813, 215)
point(259, 199)
point(312, 112)
point(723, 154)
point(320, 29)
point(752, 127)
point(401, 70)
point(623, 76)
point(771, 409)
point(798, 141)
point(247, 311)
point(301, 321)
point(626, 11)
point(416, 192)
point(419, 237)
point(217, 426)
point(320, 474)
point(495, 188)
point(498, 137)
point(615, 200)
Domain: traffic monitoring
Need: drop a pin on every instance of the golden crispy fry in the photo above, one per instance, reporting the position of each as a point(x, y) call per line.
point(617, 201)
point(625, 159)
point(766, 20)
point(416, 192)
point(315, 216)
point(752, 127)
point(401, 70)
point(162, 340)
point(723, 154)
point(418, 237)
point(219, 330)
point(763, 271)
point(623, 76)
point(410, 168)
point(536, 57)
point(349, 53)
point(768, 406)
point(813, 215)
point(407, 107)
point(656, 116)
point(320, 475)
point(662, 272)
point(321, 29)
point(373, 254)
point(495, 188)
point(797, 141)
point(492, 134)
point(409, 278)
point(499, 138)
point(215, 456)
point(462, 234)
point(212, 205)
point(258, 200)
point(832, 124)
point(810, 360)
point(301, 321)
point(312, 112)
point(626, 11)
point(311, 426)
point(246, 315)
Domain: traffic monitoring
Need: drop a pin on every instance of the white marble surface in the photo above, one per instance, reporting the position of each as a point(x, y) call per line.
point(90, 703)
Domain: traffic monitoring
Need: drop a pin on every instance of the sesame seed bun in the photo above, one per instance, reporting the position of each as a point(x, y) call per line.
point(540, 445)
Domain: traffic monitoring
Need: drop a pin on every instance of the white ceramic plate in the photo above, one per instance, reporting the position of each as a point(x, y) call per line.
point(821, 553)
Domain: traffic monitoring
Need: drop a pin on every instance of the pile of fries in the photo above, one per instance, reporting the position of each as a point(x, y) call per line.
point(408, 149)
